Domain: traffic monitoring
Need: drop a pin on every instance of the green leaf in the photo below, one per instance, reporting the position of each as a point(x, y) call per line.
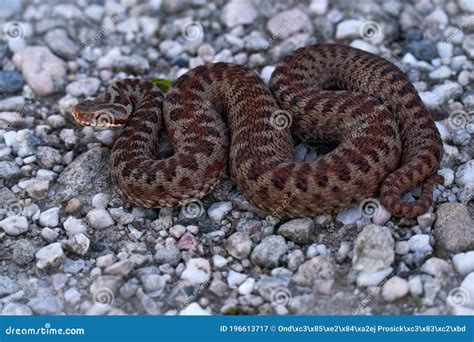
point(162, 83)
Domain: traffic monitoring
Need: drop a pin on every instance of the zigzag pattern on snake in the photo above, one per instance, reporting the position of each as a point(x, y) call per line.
point(223, 114)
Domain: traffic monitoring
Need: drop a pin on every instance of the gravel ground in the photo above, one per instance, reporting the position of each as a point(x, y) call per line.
point(70, 245)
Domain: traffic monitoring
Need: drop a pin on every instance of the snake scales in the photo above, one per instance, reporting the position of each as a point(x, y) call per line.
point(223, 113)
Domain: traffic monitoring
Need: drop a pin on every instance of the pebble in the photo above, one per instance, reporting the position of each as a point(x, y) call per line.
point(373, 249)
point(7, 286)
point(269, 251)
point(239, 245)
point(84, 87)
point(381, 216)
point(247, 286)
point(448, 176)
point(416, 286)
point(436, 267)
point(74, 226)
point(16, 309)
point(73, 266)
point(464, 262)
point(468, 45)
point(37, 189)
point(318, 7)
point(466, 5)
point(239, 12)
point(46, 306)
point(49, 218)
point(170, 48)
point(454, 229)
point(78, 244)
point(317, 273)
point(72, 295)
point(298, 230)
point(441, 73)
point(198, 271)
point(26, 143)
point(194, 309)
point(374, 278)
point(218, 210)
point(50, 256)
point(426, 220)
point(23, 252)
point(402, 247)
point(468, 285)
point(234, 279)
point(14, 225)
point(395, 288)
point(440, 94)
point(177, 231)
point(167, 254)
point(465, 173)
point(188, 242)
point(219, 261)
point(99, 218)
point(9, 169)
point(61, 44)
point(49, 234)
point(10, 81)
point(118, 214)
point(287, 23)
point(420, 243)
point(42, 70)
point(153, 283)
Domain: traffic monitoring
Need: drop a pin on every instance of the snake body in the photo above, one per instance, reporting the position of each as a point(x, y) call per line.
point(220, 115)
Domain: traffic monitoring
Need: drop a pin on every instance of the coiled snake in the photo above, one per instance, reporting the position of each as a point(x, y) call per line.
point(220, 113)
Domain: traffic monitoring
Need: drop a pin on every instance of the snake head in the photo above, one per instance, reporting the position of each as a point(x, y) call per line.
point(97, 113)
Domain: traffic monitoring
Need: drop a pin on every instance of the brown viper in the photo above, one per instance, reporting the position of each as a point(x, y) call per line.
point(222, 112)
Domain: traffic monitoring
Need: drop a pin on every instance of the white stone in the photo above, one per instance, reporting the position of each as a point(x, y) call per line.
point(49, 234)
point(234, 279)
point(441, 73)
point(49, 256)
point(426, 220)
point(84, 87)
point(78, 244)
point(395, 288)
point(381, 216)
point(443, 131)
point(464, 262)
point(465, 173)
point(238, 12)
point(14, 225)
point(364, 46)
point(416, 286)
point(266, 73)
point(74, 226)
point(247, 286)
point(177, 231)
point(49, 218)
point(448, 176)
point(420, 243)
point(435, 267)
point(466, 5)
point(286, 23)
point(218, 210)
point(219, 261)
point(318, 7)
point(468, 285)
point(198, 271)
point(349, 29)
point(99, 218)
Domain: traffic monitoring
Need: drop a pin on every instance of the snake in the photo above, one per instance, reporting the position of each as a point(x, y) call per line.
point(223, 118)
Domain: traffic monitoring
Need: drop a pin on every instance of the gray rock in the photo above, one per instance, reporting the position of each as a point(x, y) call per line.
point(420, 243)
point(373, 278)
point(72, 295)
point(317, 273)
point(73, 266)
point(46, 306)
point(50, 256)
point(9, 170)
point(74, 226)
point(465, 173)
point(441, 94)
point(239, 245)
point(10, 81)
point(61, 44)
point(170, 48)
point(269, 251)
point(49, 234)
point(373, 249)
point(454, 229)
point(289, 22)
point(26, 143)
point(7, 286)
point(121, 268)
point(349, 216)
point(43, 71)
point(218, 210)
point(37, 189)
point(167, 254)
point(468, 45)
point(23, 252)
point(436, 267)
point(466, 5)
point(153, 283)
point(14, 225)
point(298, 230)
